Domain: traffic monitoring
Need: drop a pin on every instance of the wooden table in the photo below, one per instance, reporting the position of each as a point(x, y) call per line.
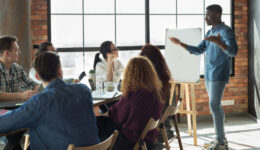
point(98, 99)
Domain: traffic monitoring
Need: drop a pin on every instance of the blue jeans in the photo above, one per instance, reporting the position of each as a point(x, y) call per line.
point(215, 91)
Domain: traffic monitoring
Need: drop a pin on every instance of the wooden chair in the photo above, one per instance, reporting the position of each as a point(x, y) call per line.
point(152, 124)
point(105, 145)
point(26, 141)
point(13, 138)
point(170, 111)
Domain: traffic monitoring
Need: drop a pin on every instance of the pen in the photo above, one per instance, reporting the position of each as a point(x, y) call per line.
point(114, 95)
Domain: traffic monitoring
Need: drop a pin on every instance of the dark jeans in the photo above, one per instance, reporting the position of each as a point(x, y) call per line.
point(104, 108)
point(169, 132)
point(14, 141)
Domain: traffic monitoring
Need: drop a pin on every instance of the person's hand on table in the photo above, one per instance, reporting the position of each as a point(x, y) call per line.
point(27, 94)
point(76, 81)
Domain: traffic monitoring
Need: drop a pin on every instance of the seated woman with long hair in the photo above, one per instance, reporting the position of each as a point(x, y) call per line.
point(109, 68)
point(155, 56)
point(141, 100)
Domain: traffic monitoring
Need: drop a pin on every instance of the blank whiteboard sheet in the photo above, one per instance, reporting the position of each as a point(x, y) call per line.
point(184, 67)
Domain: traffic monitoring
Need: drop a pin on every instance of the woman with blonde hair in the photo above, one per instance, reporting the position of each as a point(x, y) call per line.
point(141, 101)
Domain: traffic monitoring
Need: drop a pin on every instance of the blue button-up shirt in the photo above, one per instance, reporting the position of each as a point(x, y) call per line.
point(218, 62)
point(61, 115)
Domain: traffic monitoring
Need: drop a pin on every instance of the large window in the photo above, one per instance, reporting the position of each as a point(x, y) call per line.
point(78, 27)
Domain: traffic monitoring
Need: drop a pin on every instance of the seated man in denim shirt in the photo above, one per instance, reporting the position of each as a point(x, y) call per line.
point(220, 46)
point(60, 115)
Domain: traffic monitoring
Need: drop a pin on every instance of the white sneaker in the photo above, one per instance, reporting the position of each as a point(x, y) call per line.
point(218, 147)
point(207, 145)
point(214, 145)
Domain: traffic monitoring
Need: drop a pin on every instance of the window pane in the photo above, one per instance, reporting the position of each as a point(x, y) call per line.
point(191, 21)
point(71, 63)
point(66, 30)
point(125, 56)
point(130, 30)
point(190, 7)
point(225, 4)
point(89, 60)
point(99, 28)
point(158, 25)
point(130, 6)
point(66, 6)
point(227, 19)
point(99, 6)
point(163, 7)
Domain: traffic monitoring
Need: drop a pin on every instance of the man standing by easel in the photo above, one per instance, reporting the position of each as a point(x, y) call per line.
point(220, 46)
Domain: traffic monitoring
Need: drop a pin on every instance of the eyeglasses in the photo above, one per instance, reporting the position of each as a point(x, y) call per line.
point(115, 49)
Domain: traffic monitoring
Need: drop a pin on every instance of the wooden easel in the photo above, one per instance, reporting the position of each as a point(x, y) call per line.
point(189, 111)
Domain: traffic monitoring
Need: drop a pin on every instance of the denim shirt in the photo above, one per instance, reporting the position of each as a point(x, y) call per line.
point(61, 115)
point(218, 62)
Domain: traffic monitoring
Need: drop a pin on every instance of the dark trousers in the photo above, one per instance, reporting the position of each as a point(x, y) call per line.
point(106, 128)
point(104, 108)
point(14, 141)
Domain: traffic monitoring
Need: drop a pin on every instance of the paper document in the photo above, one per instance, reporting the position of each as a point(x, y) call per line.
point(104, 95)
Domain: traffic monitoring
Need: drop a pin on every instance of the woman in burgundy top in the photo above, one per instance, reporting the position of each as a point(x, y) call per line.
point(141, 100)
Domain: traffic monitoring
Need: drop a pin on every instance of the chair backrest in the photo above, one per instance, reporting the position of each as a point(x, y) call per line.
point(170, 111)
point(165, 115)
point(152, 124)
point(105, 145)
point(174, 109)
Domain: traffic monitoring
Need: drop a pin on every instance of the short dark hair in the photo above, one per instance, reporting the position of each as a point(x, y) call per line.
point(6, 43)
point(43, 47)
point(216, 8)
point(46, 65)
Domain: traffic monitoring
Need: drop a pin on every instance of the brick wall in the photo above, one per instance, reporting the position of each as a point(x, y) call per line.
point(236, 90)
point(39, 21)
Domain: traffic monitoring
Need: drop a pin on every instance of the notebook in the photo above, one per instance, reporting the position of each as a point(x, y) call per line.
point(3, 112)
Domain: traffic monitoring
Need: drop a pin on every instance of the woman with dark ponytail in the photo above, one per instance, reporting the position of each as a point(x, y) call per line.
point(109, 68)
